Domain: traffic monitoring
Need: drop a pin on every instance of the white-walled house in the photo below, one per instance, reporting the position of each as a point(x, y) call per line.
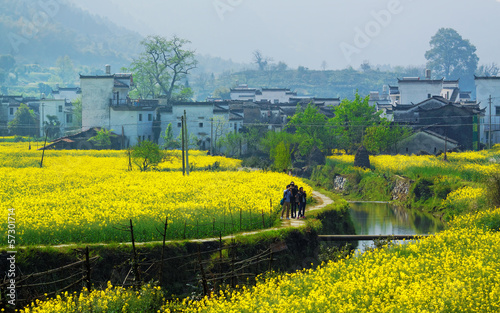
point(486, 87)
point(106, 104)
point(272, 95)
point(208, 121)
point(415, 90)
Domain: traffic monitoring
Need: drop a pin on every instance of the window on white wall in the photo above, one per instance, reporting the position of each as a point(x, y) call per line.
point(140, 117)
point(60, 108)
point(150, 117)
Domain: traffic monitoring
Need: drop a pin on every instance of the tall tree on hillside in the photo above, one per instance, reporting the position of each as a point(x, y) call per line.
point(451, 56)
point(350, 122)
point(162, 66)
point(261, 60)
point(66, 70)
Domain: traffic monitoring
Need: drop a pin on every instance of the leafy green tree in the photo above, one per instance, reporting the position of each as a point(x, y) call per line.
point(146, 155)
point(52, 126)
point(310, 126)
point(102, 139)
point(77, 112)
point(168, 139)
point(223, 93)
point(282, 157)
point(185, 95)
point(451, 56)
point(272, 139)
point(219, 126)
point(24, 122)
point(162, 65)
point(252, 136)
point(233, 141)
point(352, 118)
point(384, 137)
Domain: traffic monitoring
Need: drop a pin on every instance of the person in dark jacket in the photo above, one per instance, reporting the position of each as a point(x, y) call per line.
point(294, 204)
point(287, 196)
point(302, 195)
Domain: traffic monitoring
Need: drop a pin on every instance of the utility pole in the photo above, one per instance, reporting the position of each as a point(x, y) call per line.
point(489, 132)
point(186, 141)
point(445, 144)
point(211, 135)
point(182, 146)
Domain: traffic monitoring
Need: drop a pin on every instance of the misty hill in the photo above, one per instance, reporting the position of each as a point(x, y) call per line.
point(41, 31)
point(331, 83)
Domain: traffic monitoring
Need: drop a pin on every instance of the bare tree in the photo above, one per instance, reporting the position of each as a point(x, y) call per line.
point(260, 60)
point(324, 65)
point(163, 65)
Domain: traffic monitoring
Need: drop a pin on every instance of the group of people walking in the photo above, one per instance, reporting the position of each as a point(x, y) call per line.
point(293, 198)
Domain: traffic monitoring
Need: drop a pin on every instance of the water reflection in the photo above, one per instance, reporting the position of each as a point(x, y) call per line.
point(388, 219)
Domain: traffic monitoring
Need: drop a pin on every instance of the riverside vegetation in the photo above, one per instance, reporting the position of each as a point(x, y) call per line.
point(454, 271)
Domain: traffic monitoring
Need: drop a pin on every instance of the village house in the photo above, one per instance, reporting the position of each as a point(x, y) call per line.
point(488, 97)
point(43, 108)
point(106, 104)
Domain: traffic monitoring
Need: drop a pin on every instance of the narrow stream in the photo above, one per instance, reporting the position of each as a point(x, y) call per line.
point(386, 219)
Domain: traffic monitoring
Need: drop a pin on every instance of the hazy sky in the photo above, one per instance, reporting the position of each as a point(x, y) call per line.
point(299, 32)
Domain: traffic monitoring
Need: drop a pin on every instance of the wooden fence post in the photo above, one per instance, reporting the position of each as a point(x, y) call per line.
point(202, 270)
point(135, 265)
point(233, 260)
point(163, 251)
point(263, 220)
point(87, 267)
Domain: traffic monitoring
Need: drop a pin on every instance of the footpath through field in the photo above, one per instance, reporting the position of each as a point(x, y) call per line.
point(321, 199)
point(321, 202)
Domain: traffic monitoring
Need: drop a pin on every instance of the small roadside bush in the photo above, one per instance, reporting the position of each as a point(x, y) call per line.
point(422, 190)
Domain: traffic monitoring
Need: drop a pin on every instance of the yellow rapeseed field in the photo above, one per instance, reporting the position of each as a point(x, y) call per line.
point(455, 271)
point(84, 196)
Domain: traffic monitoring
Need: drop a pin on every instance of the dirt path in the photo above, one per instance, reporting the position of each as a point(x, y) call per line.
point(321, 199)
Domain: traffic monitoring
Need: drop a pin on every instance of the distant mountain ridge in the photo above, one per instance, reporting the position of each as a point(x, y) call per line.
point(41, 31)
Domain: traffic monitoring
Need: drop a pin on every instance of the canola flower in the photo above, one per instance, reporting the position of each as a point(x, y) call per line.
point(473, 166)
point(112, 299)
point(465, 196)
point(83, 196)
point(456, 270)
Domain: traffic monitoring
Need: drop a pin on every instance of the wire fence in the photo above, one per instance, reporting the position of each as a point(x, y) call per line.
point(215, 264)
